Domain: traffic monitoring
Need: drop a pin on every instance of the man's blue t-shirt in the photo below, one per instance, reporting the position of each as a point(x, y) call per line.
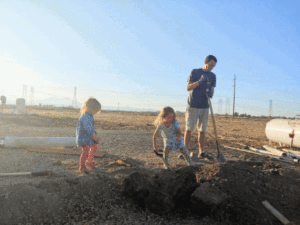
point(197, 97)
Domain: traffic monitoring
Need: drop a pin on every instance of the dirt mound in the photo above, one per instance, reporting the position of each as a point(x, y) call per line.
point(247, 184)
point(98, 198)
point(244, 185)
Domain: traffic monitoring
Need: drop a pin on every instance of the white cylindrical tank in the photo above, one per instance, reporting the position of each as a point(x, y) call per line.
point(19, 142)
point(20, 102)
point(279, 130)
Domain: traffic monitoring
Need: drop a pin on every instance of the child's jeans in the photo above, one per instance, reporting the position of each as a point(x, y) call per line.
point(87, 155)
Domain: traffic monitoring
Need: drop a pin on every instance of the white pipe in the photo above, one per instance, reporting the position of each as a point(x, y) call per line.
point(19, 142)
point(42, 173)
point(276, 213)
point(278, 130)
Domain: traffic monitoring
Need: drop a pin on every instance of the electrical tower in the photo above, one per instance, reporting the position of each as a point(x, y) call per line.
point(24, 94)
point(31, 96)
point(220, 105)
point(270, 109)
point(74, 101)
point(227, 106)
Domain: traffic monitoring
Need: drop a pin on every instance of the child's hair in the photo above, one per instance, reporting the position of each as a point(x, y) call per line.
point(91, 105)
point(163, 113)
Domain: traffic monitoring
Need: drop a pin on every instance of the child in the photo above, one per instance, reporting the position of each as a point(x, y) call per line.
point(170, 131)
point(86, 136)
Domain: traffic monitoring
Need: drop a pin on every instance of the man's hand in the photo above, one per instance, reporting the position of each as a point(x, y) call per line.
point(203, 79)
point(210, 93)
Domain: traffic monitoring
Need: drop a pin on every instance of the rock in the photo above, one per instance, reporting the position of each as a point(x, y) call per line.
point(138, 185)
point(164, 192)
point(164, 178)
point(205, 198)
point(159, 202)
point(183, 185)
point(57, 163)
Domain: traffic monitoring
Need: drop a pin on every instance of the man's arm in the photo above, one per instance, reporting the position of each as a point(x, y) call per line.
point(192, 85)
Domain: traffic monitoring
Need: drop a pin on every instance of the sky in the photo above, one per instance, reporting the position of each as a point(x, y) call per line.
point(139, 54)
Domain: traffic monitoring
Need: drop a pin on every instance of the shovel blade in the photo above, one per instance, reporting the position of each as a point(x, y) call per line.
point(221, 158)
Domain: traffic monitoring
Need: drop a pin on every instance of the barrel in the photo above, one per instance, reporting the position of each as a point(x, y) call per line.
point(279, 130)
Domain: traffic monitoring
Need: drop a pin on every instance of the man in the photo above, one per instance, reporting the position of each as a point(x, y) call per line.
point(201, 83)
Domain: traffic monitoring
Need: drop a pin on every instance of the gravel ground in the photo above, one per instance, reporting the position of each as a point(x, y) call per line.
point(69, 198)
point(66, 197)
point(20, 160)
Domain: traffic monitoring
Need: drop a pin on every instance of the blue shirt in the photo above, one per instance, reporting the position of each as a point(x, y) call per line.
point(85, 130)
point(170, 134)
point(197, 97)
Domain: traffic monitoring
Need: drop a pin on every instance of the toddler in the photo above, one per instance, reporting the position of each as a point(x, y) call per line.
point(86, 136)
point(170, 131)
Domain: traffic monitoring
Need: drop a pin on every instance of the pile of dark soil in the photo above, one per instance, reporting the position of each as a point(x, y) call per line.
point(98, 198)
point(247, 184)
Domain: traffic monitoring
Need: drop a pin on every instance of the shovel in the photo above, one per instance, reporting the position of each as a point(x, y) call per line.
point(220, 157)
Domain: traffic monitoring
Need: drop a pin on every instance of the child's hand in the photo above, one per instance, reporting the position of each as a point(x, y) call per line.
point(96, 138)
point(178, 138)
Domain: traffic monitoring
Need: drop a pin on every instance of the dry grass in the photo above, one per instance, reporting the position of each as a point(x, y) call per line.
point(231, 131)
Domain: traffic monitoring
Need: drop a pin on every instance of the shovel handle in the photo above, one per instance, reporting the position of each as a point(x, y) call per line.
point(212, 117)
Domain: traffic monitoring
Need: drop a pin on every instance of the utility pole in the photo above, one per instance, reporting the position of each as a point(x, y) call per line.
point(74, 101)
point(118, 106)
point(233, 95)
point(270, 110)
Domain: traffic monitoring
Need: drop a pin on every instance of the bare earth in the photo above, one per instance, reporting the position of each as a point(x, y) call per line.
point(126, 141)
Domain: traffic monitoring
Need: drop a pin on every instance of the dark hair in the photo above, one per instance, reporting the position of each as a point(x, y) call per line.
point(210, 57)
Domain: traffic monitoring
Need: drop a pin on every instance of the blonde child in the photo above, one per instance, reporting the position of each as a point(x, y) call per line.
point(86, 135)
point(169, 127)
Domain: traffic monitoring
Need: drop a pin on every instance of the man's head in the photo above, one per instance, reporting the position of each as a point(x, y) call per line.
point(209, 63)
